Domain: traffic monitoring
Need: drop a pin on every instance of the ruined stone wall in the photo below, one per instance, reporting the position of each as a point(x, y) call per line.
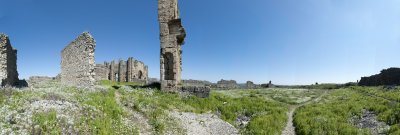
point(123, 71)
point(172, 35)
point(78, 62)
point(140, 70)
point(250, 85)
point(8, 62)
point(122, 68)
point(227, 84)
point(101, 72)
point(199, 91)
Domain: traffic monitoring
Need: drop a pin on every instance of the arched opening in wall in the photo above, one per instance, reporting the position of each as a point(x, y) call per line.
point(140, 74)
point(168, 66)
point(116, 77)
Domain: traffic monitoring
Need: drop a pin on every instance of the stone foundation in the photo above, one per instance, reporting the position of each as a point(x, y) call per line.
point(202, 92)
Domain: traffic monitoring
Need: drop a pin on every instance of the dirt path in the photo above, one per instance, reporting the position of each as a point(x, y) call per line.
point(204, 124)
point(135, 118)
point(290, 129)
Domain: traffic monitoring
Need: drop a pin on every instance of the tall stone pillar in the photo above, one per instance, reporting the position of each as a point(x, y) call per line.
point(112, 71)
point(121, 71)
point(129, 69)
point(172, 36)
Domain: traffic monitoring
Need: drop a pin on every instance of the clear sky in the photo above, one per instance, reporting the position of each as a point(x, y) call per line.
point(286, 41)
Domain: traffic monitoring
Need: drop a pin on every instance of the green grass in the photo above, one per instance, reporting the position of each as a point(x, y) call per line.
point(269, 117)
point(288, 96)
point(99, 113)
point(109, 120)
point(2, 97)
point(113, 83)
point(332, 114)
point(47, 122)
point(393, 95)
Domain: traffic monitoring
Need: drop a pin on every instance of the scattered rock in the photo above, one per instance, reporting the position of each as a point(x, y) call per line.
point(368, 120)
point(242, 121)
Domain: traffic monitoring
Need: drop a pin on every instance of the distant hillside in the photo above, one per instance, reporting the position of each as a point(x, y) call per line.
point(389, 76)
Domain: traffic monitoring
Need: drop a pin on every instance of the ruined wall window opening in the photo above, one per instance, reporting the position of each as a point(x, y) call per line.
point(140, 74)
point(168, 66)
point(176, 28)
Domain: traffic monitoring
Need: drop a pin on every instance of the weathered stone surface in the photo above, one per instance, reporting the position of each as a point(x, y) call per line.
point(172, 35)
point(101, 71)
point(78, 62)
point(227, 84)
point(123, 71)
point(8, 62)
point(202, 92)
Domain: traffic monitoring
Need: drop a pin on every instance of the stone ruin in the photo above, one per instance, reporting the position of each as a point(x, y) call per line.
point(8, 62)
point(123, 71)
point(250, 85)
point(269, 85)
point(227, 84)
point(172, 37)
point(78, 62)
point(199, 83)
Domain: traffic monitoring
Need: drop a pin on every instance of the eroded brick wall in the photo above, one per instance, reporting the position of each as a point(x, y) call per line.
point(8, 62)
point(78, 62)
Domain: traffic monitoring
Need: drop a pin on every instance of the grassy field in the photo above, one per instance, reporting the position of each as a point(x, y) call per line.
point(268, 117)
point(49, 108)
point(333, 113)
point(54, 109)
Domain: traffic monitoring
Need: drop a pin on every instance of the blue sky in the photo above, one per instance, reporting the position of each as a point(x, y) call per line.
point(286, 41)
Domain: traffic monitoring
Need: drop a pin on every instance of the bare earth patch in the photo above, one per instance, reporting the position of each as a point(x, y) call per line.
point(204, 124)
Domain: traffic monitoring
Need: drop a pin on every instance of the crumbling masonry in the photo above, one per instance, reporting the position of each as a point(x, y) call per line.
point(172, 36)
point(124, 71)
point(78, 62)
point(8, 62)
point(227, 84)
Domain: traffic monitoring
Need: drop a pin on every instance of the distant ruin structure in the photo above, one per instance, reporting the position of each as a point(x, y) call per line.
point(172, 36)
point(390, 76)
point(227, 84)
point(250, 85)
point(8, 62)
point(78, 62)
point(122, 71)
point(199, 83)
